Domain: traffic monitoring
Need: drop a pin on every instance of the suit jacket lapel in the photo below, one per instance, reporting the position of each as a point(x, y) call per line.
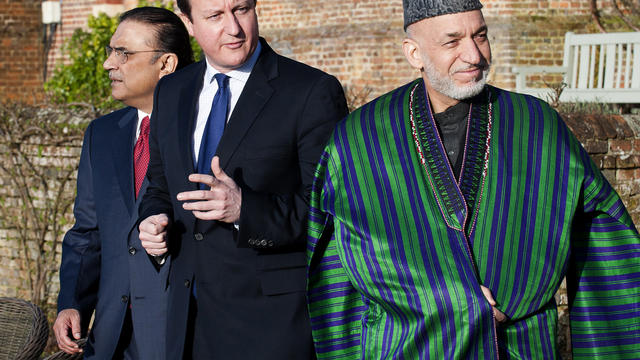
point(255, 95)
point(122, 143)
point(189, 102)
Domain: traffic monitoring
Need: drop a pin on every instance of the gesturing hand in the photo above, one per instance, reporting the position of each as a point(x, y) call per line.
point(153, 234)
point(221, 202)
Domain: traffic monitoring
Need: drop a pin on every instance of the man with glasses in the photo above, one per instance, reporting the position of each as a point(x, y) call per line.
point(104, 268)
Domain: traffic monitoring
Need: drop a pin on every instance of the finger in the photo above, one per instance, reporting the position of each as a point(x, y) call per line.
point(154, 242)
point(194, 195)
point(153, 225)
point(209, 215)
point(207, 180)
point(160, 222)
point(499, 315)
point(75, 327)
point(153, 245)
point(65, 343)
point(209, 205)
point(487, 294)
point(151, 238)
point(161, 219)
point(220, 174)
point(156, 252)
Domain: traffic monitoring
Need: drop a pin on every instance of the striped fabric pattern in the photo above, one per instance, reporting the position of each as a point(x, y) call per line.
point(398, 249)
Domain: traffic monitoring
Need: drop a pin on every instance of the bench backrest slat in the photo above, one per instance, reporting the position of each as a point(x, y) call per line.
point(609, 66)
point(592, 67)
point(635, 74)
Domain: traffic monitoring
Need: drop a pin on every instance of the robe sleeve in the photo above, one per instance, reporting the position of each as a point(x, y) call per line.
point(335, 307)
point(603, 280)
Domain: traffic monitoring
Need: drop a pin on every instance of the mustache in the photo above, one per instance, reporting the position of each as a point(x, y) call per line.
point(480, 66)
point(112, 77)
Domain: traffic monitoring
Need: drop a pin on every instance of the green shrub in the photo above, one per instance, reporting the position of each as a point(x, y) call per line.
point(83, 79)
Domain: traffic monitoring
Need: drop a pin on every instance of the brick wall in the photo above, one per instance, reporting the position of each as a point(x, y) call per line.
point(359, 41)
point(74, 16)
point(356, 40)
point(21, 56)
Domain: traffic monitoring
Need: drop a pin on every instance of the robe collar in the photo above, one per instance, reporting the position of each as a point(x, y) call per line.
point(456, 200)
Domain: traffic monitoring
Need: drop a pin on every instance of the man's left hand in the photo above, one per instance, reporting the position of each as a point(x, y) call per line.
point(221, 202)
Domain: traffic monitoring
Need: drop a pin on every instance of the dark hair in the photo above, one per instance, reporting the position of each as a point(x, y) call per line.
point(185, 7)
point(171, 35)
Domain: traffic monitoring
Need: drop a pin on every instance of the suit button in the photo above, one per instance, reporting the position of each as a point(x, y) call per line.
point(251, 242)
point(124, 298)
point(187, 283)
point(263, 242)
point(132, 250)
point(270, 243)
point(198, 236)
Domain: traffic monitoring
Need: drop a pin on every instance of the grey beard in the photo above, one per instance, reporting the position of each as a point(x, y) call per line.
point(446, 86)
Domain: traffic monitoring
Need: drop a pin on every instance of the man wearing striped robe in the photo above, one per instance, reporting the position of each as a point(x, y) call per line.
point(446, 213)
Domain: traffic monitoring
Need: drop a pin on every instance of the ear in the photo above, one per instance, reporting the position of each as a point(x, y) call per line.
point(187, 23)
point(169, 63)
point(411, 51)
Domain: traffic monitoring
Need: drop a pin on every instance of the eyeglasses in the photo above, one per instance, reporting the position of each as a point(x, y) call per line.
point(123, 55)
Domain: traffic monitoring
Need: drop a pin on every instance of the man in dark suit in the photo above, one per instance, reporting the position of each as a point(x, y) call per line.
point(234, 223)
point(103, 266)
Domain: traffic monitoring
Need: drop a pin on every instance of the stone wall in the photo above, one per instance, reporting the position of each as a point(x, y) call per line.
point(613, 142)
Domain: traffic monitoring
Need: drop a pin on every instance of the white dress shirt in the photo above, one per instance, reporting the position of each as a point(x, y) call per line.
point(141, 115)
point(237, 80)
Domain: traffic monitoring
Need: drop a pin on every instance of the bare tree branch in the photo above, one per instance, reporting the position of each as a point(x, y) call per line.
point(38, 198)
point(595, 15)
point(622, 17)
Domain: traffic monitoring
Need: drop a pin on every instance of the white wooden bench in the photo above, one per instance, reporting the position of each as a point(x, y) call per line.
point(596, 67)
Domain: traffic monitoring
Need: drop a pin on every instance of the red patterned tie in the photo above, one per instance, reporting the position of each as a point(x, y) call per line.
point(141, 154)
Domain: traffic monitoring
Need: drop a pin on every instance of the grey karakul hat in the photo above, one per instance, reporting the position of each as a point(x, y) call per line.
point(416, 10)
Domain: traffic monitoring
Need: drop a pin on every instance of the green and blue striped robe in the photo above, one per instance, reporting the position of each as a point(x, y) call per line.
point(398, 250)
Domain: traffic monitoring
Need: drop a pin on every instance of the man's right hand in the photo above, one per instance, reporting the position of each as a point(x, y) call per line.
point(153, 234)
point(68, 320)
point(499, 315)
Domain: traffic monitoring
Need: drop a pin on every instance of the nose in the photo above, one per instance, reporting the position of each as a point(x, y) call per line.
point(470, 52)
point(110, 63)
point(231, 25)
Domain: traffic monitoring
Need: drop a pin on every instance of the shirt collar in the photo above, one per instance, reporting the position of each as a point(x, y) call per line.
point(141, 115)
point(242, 73)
